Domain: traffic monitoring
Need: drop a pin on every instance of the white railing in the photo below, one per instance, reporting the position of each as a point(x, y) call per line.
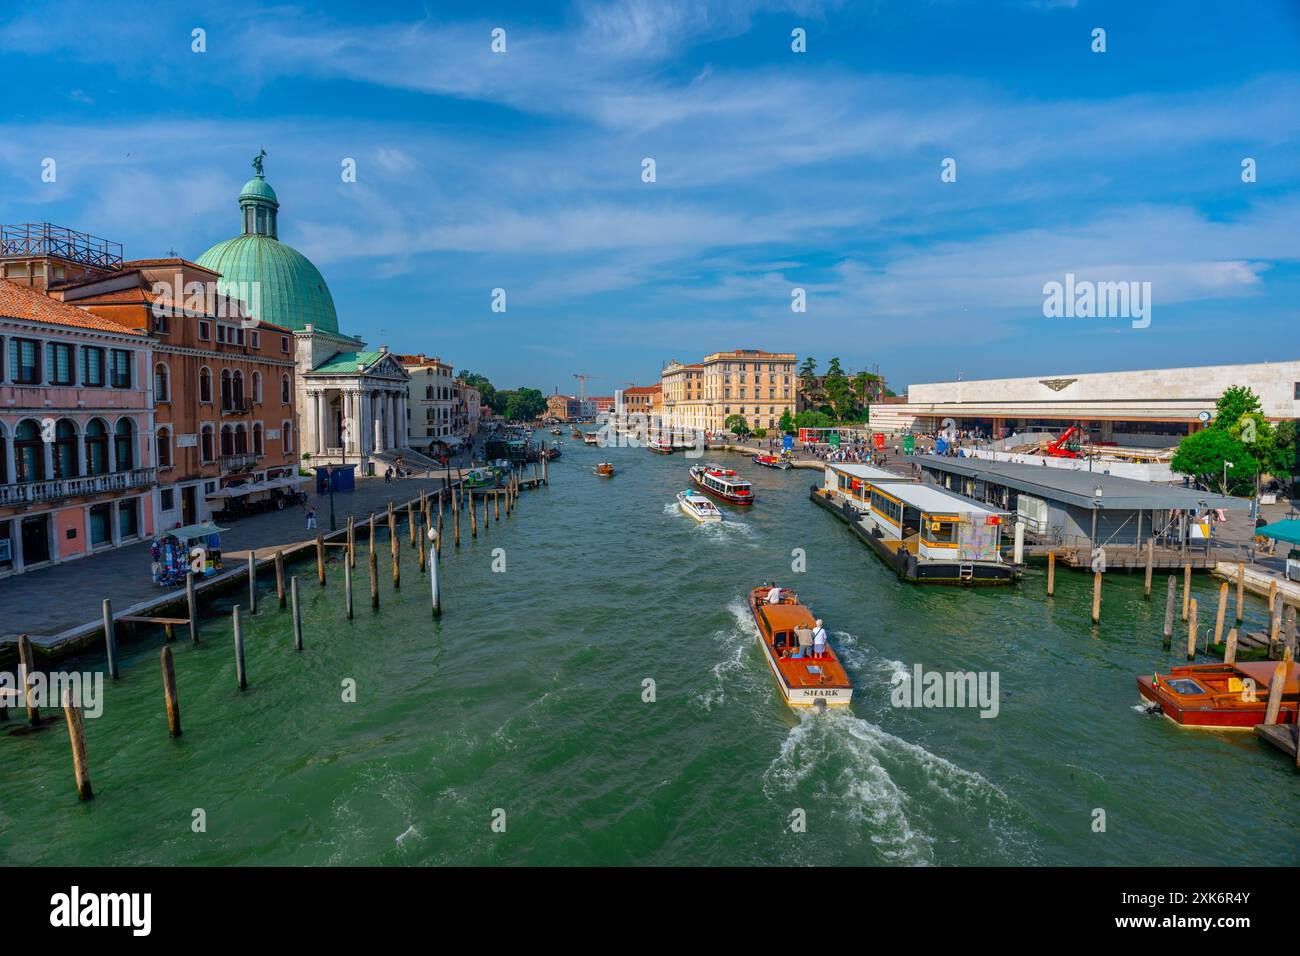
point(30, 492)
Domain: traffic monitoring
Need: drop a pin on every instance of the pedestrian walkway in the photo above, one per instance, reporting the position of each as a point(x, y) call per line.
point(51, 600)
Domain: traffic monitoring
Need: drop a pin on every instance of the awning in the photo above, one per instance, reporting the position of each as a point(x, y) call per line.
point(451, 441)
point(239, 491)
point(191, 531)
point(1288, 530)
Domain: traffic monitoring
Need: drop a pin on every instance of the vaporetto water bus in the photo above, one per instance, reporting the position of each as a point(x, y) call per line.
point(723, 484)
point(804, 680)
point(927, 535)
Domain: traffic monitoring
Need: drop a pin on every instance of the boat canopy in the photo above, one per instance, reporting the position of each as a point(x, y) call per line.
point(930, 500)
point(1288, 531)
point(191, 532)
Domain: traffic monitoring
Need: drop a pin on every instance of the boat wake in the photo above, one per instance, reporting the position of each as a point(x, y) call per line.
point(733, 641)
point(900, 796)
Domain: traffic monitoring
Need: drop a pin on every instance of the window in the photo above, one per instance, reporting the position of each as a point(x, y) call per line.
point(284, 344)
point(286, 431)
point(124, 445)
point(258, 446)
point(164, 448)
point(60, 363)
point(205, 385)
point(205, 331)
point(29, 451)
point(257, 387)
point(206, 444)
point(160, 321)
point(255, 340)
point(65, 449)
point(92, 366)
point(285, 396)
point(25, 362)
point(96, 447)
point(167, 499)
point(161, 392)
point(241, 440)
point(119, 368)
point(227, 440)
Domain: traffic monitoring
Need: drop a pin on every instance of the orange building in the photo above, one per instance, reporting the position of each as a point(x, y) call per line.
point(223, 387)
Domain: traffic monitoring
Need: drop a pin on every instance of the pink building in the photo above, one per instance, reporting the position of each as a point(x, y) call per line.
point(76, 426)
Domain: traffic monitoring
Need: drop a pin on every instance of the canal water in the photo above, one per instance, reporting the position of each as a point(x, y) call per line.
point(525, 706)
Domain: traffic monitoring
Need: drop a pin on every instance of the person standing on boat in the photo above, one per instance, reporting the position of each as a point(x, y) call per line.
point(819, 639)
point(805, 636)
point(774, 595)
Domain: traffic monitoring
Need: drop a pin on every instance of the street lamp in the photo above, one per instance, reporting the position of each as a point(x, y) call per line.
point(1096, 507)
point(1226, 465)
point(329, 477)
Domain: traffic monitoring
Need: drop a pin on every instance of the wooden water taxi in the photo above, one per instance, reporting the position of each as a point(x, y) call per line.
point(604, 470)
point(723, 484)
point(590, 438)
point(660, 446)
point(1221, 696)
point(698, 507)
point(577, 433)
point(803, 681)
point(772, 461)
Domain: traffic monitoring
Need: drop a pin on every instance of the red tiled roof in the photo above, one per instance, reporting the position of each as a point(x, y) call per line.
point(641, 390)
point(20, 302)
point(153, 263)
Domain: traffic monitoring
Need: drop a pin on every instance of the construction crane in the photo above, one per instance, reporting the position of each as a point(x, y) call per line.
point(582, 386)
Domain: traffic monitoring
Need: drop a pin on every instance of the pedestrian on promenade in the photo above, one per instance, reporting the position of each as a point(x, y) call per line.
point(311, 519)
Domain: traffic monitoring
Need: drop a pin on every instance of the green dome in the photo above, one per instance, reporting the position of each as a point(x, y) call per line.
point(258, 188)
point(277, 282)
point(293, 293)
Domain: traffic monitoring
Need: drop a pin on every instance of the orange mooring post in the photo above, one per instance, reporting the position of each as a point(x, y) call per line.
point(1096, 596)
point(1191, 631)
point(1051, 572)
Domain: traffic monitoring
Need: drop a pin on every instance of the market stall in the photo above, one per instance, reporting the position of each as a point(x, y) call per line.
point(194, 547)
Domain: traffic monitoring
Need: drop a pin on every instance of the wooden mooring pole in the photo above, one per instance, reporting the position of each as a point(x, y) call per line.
point(26, 664)
point(1230, 649)
point(352, 542)
point(297, 613)
point(1275, 685)
point(1241, 589)
point(1272, 596)
point(77, 737)
point(1096, 596)
point(280, 595)
point(410, 521)
point(1170, 597)
point(1151, 557)
point(1219, 615)
point(170, 697)
point(110, 639)
point(420, 548)
point(1191, 631)
point(320, 559)
point(473, 517)
point(252, 582)
point(1187, 589)
point(192, 605)
point(347, 588)
point(240, 672)
point(1051, 573)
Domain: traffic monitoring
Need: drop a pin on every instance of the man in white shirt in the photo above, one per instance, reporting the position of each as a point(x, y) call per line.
point(819, 639)
point(774, 595)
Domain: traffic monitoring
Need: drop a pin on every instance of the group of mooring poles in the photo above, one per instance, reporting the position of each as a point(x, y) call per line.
point(421, 525)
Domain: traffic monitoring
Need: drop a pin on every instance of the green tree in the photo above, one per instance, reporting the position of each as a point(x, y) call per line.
point(787, 422)
point(1202, 455)
point(760, 432)
point(811, 419)
point(808, 371)
point(736, 424)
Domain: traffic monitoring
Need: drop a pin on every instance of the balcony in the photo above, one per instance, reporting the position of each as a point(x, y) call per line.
point(238, 462)
point(34, 492)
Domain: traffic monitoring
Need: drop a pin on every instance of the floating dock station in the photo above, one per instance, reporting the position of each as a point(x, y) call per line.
point(927, 535)
point(1072, 512)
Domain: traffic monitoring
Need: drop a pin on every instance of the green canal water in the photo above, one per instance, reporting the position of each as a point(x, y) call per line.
point(527, 698)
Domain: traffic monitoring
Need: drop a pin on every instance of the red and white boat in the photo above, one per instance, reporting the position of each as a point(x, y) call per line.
point(1222, 696)
point(723, 484)
point(660, 445)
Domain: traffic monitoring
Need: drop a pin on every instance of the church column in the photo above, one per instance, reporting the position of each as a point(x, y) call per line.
point(320, 421)
point(363, 423)
point(377, 403)
point(403, 428)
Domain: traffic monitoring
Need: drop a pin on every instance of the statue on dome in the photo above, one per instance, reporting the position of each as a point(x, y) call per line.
point(257, 164)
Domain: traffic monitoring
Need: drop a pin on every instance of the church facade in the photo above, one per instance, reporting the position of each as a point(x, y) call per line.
point(351, 401)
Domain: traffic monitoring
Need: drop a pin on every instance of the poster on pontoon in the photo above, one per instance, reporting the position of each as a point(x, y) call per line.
point(978, 540)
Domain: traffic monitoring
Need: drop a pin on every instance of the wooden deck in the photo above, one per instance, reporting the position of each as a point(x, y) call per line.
point(1127, 557)
point(1282, 736)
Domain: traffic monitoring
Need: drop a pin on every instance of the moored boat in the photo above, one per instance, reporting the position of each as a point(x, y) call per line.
point(772, 461)
point(480, 478)
point(604, 470)
point(698, 507)
point(556, 431)
point(804, 681)
point(1222, 696)
point(660, 446)
point(723, 484)
point(590, 438)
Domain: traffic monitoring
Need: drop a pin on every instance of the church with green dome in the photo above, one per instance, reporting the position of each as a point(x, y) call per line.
point(352, 402)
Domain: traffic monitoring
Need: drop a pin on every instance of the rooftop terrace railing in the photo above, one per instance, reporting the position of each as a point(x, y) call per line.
point(31, 239)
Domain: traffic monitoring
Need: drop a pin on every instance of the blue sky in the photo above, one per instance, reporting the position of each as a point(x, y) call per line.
point(775, 170)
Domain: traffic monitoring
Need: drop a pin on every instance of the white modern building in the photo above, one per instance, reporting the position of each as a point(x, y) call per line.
point(1150, 407)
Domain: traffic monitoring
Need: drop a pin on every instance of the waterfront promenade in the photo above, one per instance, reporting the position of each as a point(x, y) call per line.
point(48, 601)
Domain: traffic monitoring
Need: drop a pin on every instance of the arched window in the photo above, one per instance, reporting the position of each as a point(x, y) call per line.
point(65, 449)
point(227, 440)
point(257, 387)
point(29, 451)
point(226, 393)
point(205, 444)
point(241, 440)
point(96, 447)
point(5, 477)
point(124, 445)
point(258, 447)
point(164, 442)
point(287, 433)
point(205, 384)
point(285, 396)
point(161, 383)
point(237, 388)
